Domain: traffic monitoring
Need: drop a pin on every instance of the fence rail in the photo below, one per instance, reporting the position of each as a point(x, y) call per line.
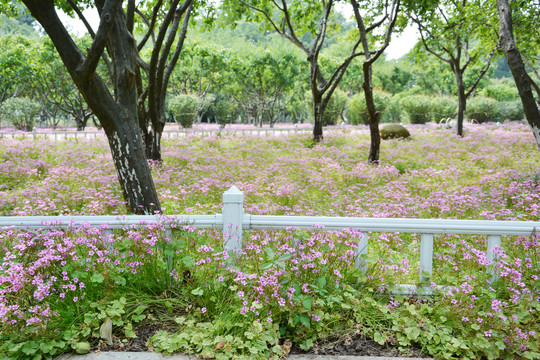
point(167, 134)
point(233, 221)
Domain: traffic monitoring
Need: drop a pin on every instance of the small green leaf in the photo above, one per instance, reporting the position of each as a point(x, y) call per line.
point(271, 254)
point(306, 345)
point(97, 278)
point(322, 282)
point(285, 257)
point(304, 319)
point(198, 291)
point(378, 338)
point(307, 303)
point(139, 310)
point(188, 261)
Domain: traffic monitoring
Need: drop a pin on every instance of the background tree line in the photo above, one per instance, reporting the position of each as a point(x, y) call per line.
point(243, 75)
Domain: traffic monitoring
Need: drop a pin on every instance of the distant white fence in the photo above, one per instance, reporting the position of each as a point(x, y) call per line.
point(167, 134)
point(233, 221)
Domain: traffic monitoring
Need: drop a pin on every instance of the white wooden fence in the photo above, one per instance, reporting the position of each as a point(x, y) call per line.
point(233, 221)
point(167, 134)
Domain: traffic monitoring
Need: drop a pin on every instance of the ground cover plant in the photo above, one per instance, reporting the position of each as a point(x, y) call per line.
point(61, 290)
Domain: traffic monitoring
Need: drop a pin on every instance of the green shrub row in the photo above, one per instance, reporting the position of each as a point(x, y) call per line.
point(419, 109)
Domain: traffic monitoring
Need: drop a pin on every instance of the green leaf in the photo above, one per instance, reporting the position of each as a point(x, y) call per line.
point(306, 345)
point(46, 347)
point(304, 319)
point(271, 254)
point(128, 330)
point(139, 310)
point(285, 257)
point(379, 338)
point(531, 355)
point(322, 282)
point(307, 303)
point(188, 261)
point(97, 278)
point(198, 291)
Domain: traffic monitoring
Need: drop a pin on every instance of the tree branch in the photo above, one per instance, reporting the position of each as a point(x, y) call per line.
point(319, 39)
point(179, 46)
point(483, 72)
point(82, 17)
point(130, 18)
point(282, 33)
point(395, 11)
point(151, 25)
point(88, 67)
point(421, 30)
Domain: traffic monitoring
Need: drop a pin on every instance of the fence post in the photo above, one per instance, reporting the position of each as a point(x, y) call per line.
point(361, 253)
point(233, 213)
point(494, 242)
point(426, 257)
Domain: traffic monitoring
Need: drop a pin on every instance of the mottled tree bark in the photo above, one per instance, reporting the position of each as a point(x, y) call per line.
point(117, 114)
point(513, 56)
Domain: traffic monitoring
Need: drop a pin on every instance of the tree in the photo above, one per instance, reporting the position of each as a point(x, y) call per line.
point(388, 21)
point(515, 59)
point(447, 30)
point(16, 65)
point(167, 44)
point(117, 110)
point(53, 86)
point(264, 84)
point(304, 24)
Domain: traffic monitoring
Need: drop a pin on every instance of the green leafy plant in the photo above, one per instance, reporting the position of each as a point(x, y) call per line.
point(417, 107)
point(357, 111)
point(482, 109)
point(20, 112)
point(184, 107)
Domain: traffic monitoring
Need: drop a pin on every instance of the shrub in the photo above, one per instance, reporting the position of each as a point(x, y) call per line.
point(501, 92)
point(394, 111)
point(335, 108)
point(481, 109)
point(225, 111)
point(509, 110)
point(20, 112)
point(357, 112)
point(443, 107)
point(417, 108)
point(184, 108)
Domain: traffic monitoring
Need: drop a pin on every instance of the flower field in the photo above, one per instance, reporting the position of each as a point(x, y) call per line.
point(59, 287)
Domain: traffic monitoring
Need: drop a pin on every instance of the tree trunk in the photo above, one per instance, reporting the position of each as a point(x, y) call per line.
point(153, 145)
point(129, 157)
point(374, 116)
point(517, 67)
point(316, 78)
point(317, 121)
point(462, 100)
point(117, 114)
